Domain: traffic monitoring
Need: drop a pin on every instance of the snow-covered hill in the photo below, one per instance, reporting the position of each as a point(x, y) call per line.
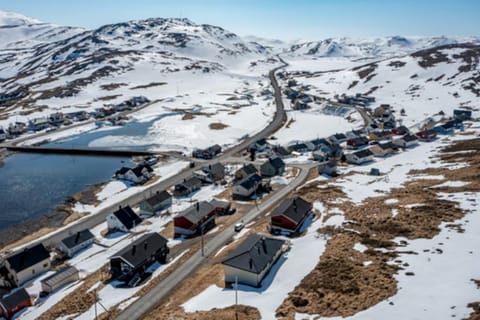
point(423, 83)
point(374, 47)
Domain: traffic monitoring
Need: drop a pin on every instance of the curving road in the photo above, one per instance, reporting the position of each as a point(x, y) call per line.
point(147, 302)
point(93, 220)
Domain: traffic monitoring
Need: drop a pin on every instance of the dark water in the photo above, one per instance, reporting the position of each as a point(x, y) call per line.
point(32, 185)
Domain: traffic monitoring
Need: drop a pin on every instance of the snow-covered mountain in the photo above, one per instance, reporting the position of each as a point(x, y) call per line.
point(374, 47)
point(45, 65)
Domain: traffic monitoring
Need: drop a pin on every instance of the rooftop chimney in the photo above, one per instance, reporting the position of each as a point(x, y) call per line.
point(264, 245)
point(134, 250)
point(145, 245)
point(250, 263)
point(77, 237)
point(197, 206)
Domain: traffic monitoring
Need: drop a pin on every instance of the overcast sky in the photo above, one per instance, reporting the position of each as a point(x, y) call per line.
point(280, 19)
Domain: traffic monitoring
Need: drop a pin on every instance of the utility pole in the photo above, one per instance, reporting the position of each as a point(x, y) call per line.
point(203, 249)
point(95, 292)
point(236, 297)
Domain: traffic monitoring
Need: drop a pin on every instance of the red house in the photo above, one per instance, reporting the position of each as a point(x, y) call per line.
point(14, 302)
point(400, 131)
point(357, 142)
point(195, 220)
point(427, 135)
point(290, 215)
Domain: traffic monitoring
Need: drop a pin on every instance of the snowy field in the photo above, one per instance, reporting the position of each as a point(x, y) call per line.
point(423, 296)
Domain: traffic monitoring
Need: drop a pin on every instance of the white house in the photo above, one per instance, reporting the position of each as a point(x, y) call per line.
point(406, 141)
point(123, 219)
point(27, 264)
point(359, 157)
point(137, 175)
point(246, 187)
point(76, 242)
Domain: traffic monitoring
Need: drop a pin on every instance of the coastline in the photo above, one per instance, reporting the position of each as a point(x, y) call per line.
point(62, 215)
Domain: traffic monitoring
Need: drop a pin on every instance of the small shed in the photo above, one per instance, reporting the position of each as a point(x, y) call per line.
point(59, 279)
point(374, 172)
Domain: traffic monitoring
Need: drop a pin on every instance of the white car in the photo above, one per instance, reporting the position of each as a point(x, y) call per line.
point(238, 227)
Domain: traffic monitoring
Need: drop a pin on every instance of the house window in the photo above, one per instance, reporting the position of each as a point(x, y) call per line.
point(33, 271)
point(45, 265)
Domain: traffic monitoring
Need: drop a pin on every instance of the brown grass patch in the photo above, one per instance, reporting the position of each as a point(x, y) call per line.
point(340, 285)
point(217, 126)
point(188, 116)
point(151, 84)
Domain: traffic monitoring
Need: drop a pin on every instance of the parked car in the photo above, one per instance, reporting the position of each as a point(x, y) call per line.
point(238, 227)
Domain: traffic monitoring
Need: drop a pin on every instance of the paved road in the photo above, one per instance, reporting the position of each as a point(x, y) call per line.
point(148, 301)
point(95, 219)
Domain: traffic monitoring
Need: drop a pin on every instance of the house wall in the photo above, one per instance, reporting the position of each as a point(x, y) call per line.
point(29, 273)
point(114, 223)
point(283, 223)
point(241, 191)
point(147, 208)
point(243, 276)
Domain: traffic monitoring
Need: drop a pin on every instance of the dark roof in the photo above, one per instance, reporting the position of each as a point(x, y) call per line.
point(329, 164)
point(363, 153)
point(320, 141)
point(281, 151)
point(386, 145)
point(138, 169)
point(28, 257)
point(77, 238)
point(358, 141)
point(298, 146)
point(462, 112)
point(191, 182)
point(409, 137)
point(249, 181)
point(254, 254)
point(214, 149)
point(14, 299)
point(197, 212)
point(158, 198)
point(60, 275)
point(249, 169)
point(261, 142)
point(340, 136)
point(127, 217)
point(448, 125)
point(122, 170)
point(277, 163)
point(217, 170)
point(141, 249)
point(294, 208)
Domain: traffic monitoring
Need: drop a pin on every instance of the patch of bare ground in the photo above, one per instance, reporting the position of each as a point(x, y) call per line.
point(188, 116)
point(79, 300)
point(239, 312)
point(108, 98)
point(340, 284)
point(217, 126)
point(112, 86)
point(151, 84)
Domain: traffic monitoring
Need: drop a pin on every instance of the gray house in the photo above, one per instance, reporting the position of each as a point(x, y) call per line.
point(250, 262)
point(272, 167)
point(156, 203)
point(187, 187)
point(123, 219)
point(211, 173)
point(329, 168)
point(74, 243)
